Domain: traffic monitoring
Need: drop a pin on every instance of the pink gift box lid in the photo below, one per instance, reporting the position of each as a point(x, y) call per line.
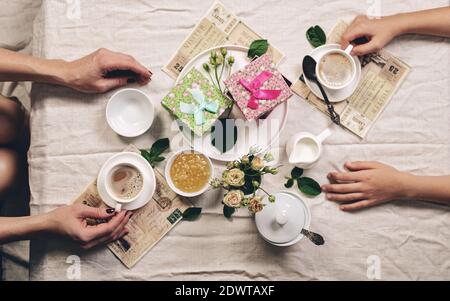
point(242, 96)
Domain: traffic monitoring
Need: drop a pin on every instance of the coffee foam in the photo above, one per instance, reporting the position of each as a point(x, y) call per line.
point(126, 182)
point(335, 69)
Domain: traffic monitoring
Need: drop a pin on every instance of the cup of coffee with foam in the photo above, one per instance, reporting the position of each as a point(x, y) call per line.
point(124, 183)
point(336, 69)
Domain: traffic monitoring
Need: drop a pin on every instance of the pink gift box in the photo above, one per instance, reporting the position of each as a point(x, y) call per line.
point(250, 85)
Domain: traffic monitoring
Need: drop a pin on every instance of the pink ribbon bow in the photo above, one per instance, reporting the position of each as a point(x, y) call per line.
point(255, 93)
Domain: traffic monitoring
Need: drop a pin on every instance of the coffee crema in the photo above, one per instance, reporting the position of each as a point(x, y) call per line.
point(335, 69)
point(126, 182)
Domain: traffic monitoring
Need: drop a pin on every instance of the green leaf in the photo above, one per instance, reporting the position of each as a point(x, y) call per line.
point(248, 187)
point(228, 211)
point(258, 48)
point(224, 134)
point(296, 172)
point(159, 159)
point(160, 146)
point(316, 36)
point(192, 213)
point(147, 156)
point(289, 183)
point(309, 186)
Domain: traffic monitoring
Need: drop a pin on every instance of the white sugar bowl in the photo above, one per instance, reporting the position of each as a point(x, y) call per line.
point(281, 223)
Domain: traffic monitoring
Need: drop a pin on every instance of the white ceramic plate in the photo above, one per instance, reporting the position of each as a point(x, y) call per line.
point(144, 166)
point(262, 132)
point(333, 95)
point(130, 112)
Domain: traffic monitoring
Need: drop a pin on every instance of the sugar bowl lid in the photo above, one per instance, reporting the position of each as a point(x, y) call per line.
point(281, 222)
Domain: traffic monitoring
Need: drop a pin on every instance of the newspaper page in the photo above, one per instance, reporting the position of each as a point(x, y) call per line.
point(148, 224)
point(381, 75)
point(218, 27)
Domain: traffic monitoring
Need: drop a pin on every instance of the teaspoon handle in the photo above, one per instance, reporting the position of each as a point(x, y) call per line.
point(317, 239)
point(333, 115)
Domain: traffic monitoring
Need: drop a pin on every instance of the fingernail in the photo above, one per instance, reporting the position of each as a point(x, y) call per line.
point(110, 210)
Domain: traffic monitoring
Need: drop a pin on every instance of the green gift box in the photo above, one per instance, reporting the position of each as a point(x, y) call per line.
point(196, 102)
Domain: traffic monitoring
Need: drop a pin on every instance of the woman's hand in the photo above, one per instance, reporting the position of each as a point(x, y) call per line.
point(379, 32)
point(366, 184)
point(104, 70)
point(71, 221)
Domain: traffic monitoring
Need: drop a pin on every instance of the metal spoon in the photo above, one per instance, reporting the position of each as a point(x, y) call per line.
point(309, 69)
point(317, 239)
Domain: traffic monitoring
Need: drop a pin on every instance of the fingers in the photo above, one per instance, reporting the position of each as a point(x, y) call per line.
point(104, 240)
point(355, 30)
point(110, 232)
point(104, 229)
point(97, 213)
point(348, 197)
point(362, 165)
point(112, 83)
point(120, 61)
point(357, 205)
point(372, 46)
point(344, 176)
point(342, 188)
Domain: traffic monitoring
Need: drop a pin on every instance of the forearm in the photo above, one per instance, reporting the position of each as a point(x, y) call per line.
point(22, 228)
point(429, 22)
point(435, 189)
point(20, 67)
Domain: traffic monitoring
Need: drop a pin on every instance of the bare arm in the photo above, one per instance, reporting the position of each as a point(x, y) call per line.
point(370, 183)
point(70, 221)
point(381, 31)
point(434, 22)
point(99, 71)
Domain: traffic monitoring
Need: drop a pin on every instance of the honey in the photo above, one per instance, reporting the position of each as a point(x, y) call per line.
point(190, 171)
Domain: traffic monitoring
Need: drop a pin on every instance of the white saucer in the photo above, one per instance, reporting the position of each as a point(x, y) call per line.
point(148, 173)
point(333, 95)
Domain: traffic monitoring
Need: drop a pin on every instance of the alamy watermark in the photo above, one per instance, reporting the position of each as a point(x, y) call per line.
point(73, 9)
point(373, 267)
point(73, 272)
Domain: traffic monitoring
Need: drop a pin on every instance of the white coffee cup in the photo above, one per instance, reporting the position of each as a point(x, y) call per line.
point(345, 53)
point(109, 190)
point(304, 149)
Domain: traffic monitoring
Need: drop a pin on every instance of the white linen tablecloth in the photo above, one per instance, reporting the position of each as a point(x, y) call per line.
point(71, 140)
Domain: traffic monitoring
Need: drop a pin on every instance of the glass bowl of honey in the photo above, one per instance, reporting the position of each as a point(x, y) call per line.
point(189, 172)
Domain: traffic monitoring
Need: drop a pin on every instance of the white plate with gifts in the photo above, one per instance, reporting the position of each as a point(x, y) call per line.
point(201, 106)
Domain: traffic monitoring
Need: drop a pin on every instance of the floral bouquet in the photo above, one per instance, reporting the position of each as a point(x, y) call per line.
point(242, 180)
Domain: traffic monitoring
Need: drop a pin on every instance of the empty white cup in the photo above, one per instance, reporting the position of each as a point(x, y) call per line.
point(130, 112)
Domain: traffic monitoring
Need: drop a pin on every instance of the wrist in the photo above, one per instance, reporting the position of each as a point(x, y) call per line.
point(408, 187)
point(59, 73)
point(401, 24)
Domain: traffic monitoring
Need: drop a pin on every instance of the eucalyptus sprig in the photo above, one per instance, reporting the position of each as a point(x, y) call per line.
point(153, 155)
point(218, 60)
point(306, 185)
